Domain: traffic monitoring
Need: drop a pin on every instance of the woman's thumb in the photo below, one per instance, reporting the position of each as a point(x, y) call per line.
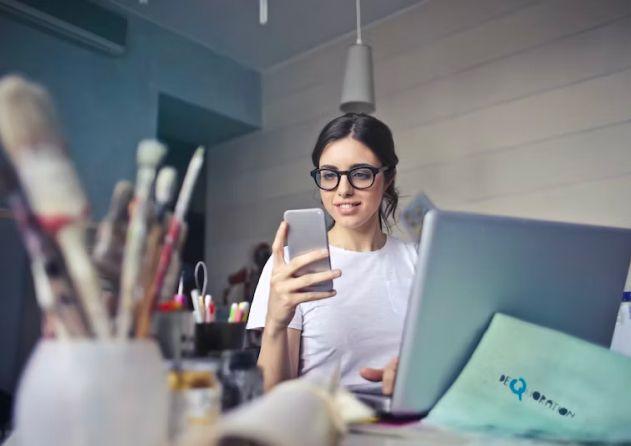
point(374, 375)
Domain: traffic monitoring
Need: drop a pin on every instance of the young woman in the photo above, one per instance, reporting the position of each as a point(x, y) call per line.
point(359, 325)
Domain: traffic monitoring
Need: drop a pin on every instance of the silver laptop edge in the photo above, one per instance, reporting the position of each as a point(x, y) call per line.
point(538, 271)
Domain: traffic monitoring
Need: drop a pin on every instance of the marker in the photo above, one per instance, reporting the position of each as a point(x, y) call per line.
point(180, 297)
point(202, 308)
point(233, 310)
point(208, 306)
point(245, 310)
point(238, 314)
point(196, 311)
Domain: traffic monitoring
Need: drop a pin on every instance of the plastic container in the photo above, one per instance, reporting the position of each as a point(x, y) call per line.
point(77, 393)
point(218, 336)
point(175, 333)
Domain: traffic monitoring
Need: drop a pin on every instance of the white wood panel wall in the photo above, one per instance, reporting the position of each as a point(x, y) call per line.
point(514, 107)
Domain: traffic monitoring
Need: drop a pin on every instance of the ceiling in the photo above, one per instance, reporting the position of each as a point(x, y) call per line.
point(231, 27)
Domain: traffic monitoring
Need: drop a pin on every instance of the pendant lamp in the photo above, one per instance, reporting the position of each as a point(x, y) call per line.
point(358, 92)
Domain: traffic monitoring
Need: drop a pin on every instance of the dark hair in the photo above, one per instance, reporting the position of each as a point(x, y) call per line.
point(375, 135)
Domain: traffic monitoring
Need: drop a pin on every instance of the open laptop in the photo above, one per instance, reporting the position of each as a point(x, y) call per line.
point(568, 277)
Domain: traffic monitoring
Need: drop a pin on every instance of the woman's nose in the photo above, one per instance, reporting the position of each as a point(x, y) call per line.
point(344, 189)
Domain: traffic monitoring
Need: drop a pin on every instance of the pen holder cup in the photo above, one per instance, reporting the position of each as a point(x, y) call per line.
point(175, 333)
point(75, 393)
point(218, 336)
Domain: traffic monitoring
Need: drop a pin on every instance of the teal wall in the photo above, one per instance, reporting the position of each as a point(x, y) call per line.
point(107, 104)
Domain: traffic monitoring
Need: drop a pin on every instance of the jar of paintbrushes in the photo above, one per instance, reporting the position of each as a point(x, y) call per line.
point(101, 380)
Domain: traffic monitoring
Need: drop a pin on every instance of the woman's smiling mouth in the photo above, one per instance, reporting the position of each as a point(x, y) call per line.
point(347, 208)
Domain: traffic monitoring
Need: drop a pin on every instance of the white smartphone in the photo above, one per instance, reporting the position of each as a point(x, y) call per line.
point(307, 232)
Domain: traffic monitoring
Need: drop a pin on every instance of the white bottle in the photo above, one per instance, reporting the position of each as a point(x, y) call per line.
point(621, 341)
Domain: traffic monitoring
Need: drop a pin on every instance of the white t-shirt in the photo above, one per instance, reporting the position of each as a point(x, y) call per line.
point(361, 326)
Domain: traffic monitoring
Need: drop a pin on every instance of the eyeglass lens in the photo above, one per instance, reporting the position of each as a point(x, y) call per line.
point(360, 178)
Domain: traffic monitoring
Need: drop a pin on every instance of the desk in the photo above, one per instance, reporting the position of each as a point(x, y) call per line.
point(432, 438)
point(378, 440)
point(356, 439)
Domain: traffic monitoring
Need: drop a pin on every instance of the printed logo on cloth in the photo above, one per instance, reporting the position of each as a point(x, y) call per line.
point(519, 387)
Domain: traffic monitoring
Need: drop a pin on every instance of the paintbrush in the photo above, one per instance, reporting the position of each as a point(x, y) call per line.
point(150, 153)
point(172, 238)
point(164, 192)
point(53, 289)
point(166, 182)
point(169, 283)
point(111, 233)
point(30, 135)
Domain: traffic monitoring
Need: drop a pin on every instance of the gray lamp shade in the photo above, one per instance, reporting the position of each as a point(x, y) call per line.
point(358, 92)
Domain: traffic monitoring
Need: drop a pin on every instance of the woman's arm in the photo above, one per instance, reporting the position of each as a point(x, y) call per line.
point(280, 351)
point(280, 346)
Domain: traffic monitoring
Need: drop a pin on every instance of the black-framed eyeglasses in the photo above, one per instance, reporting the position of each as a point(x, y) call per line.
point(360, 177)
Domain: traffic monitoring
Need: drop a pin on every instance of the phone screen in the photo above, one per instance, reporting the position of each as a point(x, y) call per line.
point(306, 233)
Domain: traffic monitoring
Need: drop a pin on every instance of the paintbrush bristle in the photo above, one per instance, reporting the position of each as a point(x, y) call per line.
point(165, 184)
point(27, 116)
point(150, 153)
point(29, 133)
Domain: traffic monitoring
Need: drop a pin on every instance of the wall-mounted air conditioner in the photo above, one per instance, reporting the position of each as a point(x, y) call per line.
point(81, 21)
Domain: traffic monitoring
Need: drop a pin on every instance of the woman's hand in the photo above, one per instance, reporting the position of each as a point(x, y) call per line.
point(285, 294)
point(385, 375)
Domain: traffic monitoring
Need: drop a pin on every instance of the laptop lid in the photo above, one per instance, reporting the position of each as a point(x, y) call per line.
point(564, 276)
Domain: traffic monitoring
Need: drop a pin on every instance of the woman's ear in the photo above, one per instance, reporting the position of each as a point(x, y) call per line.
point(390, 181)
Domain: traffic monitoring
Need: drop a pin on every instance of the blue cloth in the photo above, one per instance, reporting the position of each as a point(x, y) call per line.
point(528, 380)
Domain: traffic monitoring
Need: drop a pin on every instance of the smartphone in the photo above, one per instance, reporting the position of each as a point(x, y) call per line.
point(307, 232)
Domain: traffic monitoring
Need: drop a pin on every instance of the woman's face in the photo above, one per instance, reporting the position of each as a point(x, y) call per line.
point(351, 208)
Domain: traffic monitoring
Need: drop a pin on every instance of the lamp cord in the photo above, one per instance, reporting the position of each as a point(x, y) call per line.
point(359, 27)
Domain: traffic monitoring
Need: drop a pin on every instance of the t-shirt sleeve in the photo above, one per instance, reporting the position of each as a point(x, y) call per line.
point(412, 251)
point(258, 310)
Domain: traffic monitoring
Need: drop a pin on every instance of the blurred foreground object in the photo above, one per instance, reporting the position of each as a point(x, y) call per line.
point(97, 393)
point(296, 412)
point(31, 138)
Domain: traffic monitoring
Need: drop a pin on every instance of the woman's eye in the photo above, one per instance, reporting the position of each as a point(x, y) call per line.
point(329, 176)
point(362, 174)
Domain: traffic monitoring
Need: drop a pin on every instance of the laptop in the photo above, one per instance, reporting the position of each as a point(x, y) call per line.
point(567, 277)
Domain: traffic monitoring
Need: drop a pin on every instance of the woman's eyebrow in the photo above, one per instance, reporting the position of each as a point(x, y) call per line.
point(331, 167)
